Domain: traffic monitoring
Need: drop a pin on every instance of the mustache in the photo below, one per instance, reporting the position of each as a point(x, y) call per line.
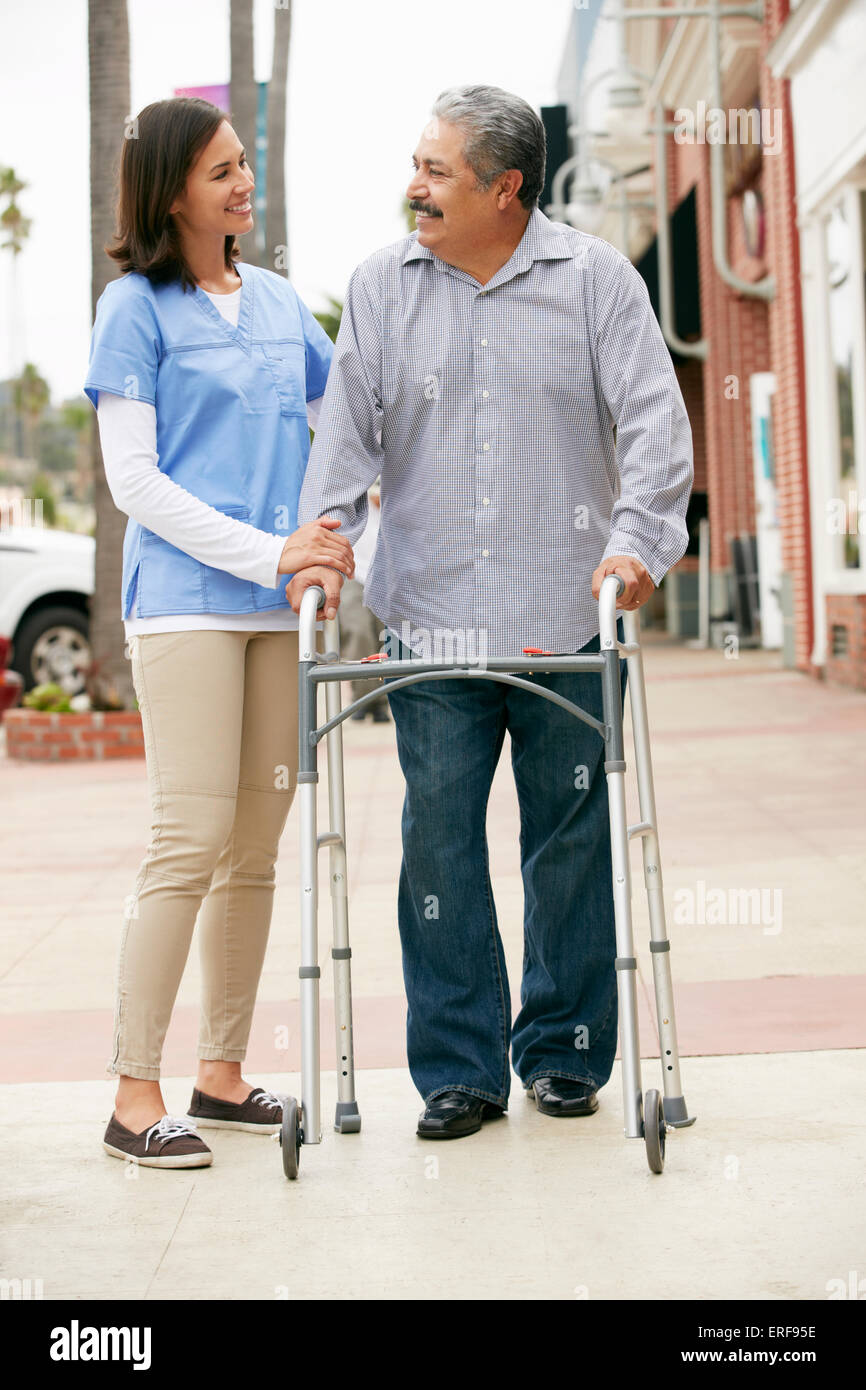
point(415, 206)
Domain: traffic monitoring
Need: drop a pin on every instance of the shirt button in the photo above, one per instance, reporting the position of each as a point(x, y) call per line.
point(484, 342)
point(485, 446)
point(485, 394)
point(485, 552)
point(487, 501)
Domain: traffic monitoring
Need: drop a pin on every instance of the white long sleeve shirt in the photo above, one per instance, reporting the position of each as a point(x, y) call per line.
point(127, 432)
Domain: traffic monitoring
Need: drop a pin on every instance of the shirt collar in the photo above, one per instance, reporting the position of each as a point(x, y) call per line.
point(541, 241)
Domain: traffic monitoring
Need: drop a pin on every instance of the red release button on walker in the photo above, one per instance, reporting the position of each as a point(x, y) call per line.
point(536, 651)
point(377, 656)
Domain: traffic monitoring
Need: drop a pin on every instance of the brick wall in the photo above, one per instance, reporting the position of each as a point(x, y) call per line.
point(41, 737)
point(736, 331)
point(786, 348)
point(737, 337)
point(744, 336)
point(846, 613)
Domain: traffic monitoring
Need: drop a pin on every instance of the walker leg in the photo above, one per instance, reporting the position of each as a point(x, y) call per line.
point(626, 964)
point(347, 1119)
point(675, 1110)
point(310, 1121)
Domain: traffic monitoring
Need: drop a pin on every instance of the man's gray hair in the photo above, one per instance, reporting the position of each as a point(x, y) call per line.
point(502, 132)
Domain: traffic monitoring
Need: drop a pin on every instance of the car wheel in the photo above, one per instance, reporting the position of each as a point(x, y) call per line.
point(52, 644)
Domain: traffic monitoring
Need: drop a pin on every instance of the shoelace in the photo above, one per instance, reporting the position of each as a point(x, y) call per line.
point(271, 1100)
point(171, 1127)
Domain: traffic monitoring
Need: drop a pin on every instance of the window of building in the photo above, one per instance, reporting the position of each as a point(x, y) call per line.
point(844, 235)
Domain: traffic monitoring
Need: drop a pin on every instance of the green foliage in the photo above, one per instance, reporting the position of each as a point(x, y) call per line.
point(77, 415)
point(51, 698)
point(56, 448)
point(12, 220)
point(330, 318)
point(42, 489)
point(408, 214)
point(30, 391)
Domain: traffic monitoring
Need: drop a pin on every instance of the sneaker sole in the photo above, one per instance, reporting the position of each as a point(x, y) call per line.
point(202, 1123)
point(177, 1161)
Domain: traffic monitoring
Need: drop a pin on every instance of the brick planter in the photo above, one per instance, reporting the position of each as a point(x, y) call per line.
point(38, 736)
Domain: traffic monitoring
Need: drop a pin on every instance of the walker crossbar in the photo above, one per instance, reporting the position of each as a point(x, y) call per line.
point(331, 673)
point(648, 1117)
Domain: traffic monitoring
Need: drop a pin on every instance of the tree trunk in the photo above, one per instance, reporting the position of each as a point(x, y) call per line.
point(108, 50)
point(244, 98)
point(276, 222)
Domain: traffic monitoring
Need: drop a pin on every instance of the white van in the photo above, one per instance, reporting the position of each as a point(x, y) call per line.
point(46, 580)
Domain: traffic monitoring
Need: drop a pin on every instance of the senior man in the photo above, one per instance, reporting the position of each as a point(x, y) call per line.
point(481, 367)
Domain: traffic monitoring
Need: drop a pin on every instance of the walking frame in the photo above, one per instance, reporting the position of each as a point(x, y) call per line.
point(649, 1116)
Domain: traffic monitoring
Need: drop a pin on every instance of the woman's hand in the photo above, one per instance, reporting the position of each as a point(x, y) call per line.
point(315, 544)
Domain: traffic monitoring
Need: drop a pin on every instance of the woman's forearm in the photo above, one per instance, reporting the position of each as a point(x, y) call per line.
point(127, 432)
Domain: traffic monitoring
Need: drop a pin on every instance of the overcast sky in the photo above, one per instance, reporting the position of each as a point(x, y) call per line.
point(362, 78)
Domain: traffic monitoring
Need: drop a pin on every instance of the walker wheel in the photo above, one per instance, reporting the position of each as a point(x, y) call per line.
point(654, 1130)
point(290, 1137)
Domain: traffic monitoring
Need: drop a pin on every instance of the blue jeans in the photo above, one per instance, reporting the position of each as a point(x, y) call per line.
point(459, 1024)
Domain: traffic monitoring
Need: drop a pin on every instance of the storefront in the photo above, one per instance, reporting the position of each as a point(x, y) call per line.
point(820, 50)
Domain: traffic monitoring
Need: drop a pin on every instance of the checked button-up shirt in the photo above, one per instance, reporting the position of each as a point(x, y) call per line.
point(489, 412)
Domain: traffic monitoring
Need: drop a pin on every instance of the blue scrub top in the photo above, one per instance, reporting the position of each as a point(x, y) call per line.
point(231, 422)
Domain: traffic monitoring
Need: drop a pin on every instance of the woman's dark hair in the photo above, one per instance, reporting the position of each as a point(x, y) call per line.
point(163, 143)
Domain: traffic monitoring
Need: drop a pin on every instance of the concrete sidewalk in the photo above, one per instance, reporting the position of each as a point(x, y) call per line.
point(760, 777)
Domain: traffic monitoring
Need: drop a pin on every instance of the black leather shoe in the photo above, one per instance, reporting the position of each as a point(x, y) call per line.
point(452, 1114)
point(557, 1095)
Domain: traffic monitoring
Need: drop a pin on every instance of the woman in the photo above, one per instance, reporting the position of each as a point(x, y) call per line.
point(204, 374)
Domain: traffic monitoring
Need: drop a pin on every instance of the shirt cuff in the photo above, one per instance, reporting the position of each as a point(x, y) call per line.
point(279, 544)
point(622, 545)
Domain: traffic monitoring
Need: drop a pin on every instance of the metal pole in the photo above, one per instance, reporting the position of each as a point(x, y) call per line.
point(674, 1103)
point(347, 1119)
point(614, 767)
point(702, 641)
point(308, 777)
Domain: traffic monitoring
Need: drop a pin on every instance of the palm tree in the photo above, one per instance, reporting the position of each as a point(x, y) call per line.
point(17, 229)
point(30, 396)
point(276, 225)
point(12, 220)
point(108, 48)
point(244, 97)
point(77, 415)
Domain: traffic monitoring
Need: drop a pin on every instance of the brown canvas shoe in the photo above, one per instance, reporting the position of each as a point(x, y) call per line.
point(170, 1143)
point(260, 1113)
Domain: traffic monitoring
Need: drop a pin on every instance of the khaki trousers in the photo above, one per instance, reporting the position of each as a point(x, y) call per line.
point(220, 718)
